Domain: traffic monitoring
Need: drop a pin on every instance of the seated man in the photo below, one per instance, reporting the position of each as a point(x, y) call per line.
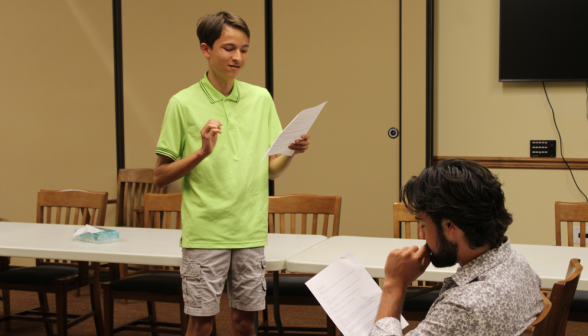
point(460, 208)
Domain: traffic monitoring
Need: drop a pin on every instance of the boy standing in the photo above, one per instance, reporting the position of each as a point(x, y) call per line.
point(213, 135)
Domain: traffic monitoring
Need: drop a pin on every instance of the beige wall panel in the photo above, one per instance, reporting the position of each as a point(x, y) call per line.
point(345, 52)
point(531, 196)
point(56, 101)
point(162, 56)
point(476, 115)
point(479, 116)
point(414, 89)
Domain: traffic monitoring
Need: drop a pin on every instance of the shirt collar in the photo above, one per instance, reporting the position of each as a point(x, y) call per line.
point(483, 263)
point(214, 95)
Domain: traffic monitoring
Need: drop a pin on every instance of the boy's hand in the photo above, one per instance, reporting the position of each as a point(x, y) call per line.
point(301, 145)
point(209, 134)
point(405, 265)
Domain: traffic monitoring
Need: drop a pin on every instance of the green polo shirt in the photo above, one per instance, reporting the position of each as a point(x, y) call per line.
point(225, 198)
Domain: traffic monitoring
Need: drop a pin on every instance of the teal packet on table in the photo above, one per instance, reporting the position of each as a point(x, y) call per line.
point(97, 235)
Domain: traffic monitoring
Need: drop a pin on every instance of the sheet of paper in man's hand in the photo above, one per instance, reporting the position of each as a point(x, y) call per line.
point(299, 125)
point(349, 295)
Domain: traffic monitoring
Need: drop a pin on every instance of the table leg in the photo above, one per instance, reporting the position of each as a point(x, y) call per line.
point(114, 271)
point(95, 299)
point(4, 264)
point(277, 303)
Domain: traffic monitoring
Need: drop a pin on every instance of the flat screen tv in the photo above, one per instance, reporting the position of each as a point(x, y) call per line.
point(543, 40)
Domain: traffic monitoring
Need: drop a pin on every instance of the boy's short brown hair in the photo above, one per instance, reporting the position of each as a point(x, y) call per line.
point(210, 27)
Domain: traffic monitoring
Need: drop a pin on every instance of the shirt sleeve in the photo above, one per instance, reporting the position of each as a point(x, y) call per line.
point(446, 317)
point(171, 138)
point(274, 125)
point(388, 326)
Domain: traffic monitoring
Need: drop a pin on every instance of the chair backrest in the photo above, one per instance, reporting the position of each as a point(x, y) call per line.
point(88, 207)
point(304, 205)
point(400, 214)
point(537, 328)
point(163, 211)
point(89, 204)
point(571, 212)
point(159, 209)
point(561, 298)
point(133, 184)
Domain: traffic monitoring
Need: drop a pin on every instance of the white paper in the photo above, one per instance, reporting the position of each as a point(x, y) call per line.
point(349, 295)
point(301, 124)
point(88, 228)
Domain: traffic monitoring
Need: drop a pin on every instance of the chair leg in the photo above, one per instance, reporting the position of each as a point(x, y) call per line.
point(97, 308)
point(61, 309)
point(44, 309)
point(152, 314)
point(213, 333)
point(124, 272)
point(265, 316)
point(331, 329)
point(108, 311)
point(183, 320)
point(6, 304)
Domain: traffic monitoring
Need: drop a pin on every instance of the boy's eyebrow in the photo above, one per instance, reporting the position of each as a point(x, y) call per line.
point(234, 45)
point(417, 218)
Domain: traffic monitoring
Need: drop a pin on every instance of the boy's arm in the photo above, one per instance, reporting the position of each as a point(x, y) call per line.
point(167, 170)
point(279, 164)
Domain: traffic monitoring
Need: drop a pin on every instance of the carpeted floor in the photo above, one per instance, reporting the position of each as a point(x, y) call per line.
point(291, 315)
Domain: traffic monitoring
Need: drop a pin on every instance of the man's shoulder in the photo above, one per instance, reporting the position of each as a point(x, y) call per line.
point(189, 94)
point(253, 90)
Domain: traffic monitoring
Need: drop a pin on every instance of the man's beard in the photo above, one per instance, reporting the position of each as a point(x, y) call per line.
point(447, 254)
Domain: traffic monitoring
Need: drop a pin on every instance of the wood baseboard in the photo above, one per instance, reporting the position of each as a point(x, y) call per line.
point(522, 162)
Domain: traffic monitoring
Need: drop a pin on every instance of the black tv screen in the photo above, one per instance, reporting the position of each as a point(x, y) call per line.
point(543, 40)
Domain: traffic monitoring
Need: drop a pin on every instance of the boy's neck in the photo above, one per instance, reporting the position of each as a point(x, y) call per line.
point(223, 86)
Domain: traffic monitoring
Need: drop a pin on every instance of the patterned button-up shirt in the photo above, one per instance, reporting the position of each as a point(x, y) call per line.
point(495, 294)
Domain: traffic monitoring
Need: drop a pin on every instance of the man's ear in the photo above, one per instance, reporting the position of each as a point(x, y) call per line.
point(205, 49)
point(448, 226)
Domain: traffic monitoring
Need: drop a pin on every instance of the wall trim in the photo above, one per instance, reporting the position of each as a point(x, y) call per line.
point(522, 162)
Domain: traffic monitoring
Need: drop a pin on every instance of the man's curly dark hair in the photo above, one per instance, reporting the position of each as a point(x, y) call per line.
point(465, 193)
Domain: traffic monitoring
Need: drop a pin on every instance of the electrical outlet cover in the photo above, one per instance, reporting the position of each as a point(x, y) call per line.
point(576, 232)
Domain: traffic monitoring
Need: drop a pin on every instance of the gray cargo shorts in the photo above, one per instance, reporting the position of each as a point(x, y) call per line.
point(203, 276)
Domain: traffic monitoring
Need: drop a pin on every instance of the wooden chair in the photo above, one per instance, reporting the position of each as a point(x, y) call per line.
point(561, 298)
point(59, 276)
point(298, 208)
point(132, 186)
point(159, 284)
point(568, 213)
point(400, 214)
point(537, 328)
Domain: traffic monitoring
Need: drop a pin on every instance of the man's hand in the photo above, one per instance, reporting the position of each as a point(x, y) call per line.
point(301, 145)
point(209, 134)
point(405, 265)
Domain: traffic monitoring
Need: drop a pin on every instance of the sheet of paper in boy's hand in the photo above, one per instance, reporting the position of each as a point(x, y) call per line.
point(349, 295)
point(90, 229)
point(299, 125)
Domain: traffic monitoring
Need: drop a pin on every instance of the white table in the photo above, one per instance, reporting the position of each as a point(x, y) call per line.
point(550, 262)
point(136, 246)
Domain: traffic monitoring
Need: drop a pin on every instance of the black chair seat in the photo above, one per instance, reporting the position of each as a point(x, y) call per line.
point(580, 302)
point(156, 283)
point(39, 275)
point(290, 286)
point(420, 303)
point(104, 276)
